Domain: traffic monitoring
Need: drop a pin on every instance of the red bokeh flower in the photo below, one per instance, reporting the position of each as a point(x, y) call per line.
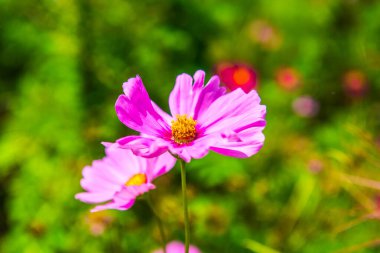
point(237, 75)
point(288, 78)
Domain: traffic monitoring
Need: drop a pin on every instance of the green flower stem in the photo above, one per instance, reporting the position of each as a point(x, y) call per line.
point(185, 209)
point(159, 222)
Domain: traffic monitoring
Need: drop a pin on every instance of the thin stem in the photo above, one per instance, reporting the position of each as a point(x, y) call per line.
point(159, 223)
point(185, 209)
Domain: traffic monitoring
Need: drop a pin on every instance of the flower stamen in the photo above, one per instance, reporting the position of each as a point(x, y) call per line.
point(136, 180)
point(183, 129)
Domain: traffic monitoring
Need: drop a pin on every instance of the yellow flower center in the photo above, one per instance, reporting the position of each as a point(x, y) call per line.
point(183, 129)
point(241, 76)
point(136, 180)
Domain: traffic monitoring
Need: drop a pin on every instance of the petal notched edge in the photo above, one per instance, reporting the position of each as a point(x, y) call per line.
point(143, 146)
point(180, 98)
point(135, 109)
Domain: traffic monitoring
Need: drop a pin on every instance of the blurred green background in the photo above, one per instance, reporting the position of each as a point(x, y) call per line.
point(314, 187)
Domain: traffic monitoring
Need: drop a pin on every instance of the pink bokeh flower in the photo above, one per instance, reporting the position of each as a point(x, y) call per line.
point(98, 222)
point(305, 106)
point(237, 75)
point(202, 118)
point(265, 34)
point(120, 177)
point(177, 247)
point(315, 165)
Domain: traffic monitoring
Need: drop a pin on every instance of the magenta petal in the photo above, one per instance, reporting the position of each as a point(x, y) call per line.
point(207, 95)
point(159, 165)
point(242, 145)
point(195, 150)
point(239, 151)
point(190, 99)
point(136, 111)
point(236, 120)
point(113, 205)
point(183, 154)
point(181, 97)
point(168, 119)
point(143, 146)
point(231, 111)
point(199, 79)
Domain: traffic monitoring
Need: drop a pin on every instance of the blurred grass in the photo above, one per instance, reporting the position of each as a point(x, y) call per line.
point(62, 66)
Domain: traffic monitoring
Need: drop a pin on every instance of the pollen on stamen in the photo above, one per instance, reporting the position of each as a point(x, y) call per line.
point(136, 180)
point(183, 129)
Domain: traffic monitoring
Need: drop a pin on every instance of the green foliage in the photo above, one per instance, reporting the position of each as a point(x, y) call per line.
point(312, 188)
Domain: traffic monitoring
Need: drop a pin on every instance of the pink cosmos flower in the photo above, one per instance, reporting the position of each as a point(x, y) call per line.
point(121, 177)
point(177, 247)
point(203, 118)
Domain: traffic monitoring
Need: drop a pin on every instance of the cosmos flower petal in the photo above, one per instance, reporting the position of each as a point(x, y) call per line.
point(207, 95)
point(136, 111)
point(177, 247)
point(254, 119)
point(180, 98)
point(144, 146)
point(113, 205)
point(160, 165)
point(90, 197)
point(194, 99)
point(125, 199)
point(93, 175)
point(198, 149)
point(97, 184)
point(132, 192)
point(232, 109)
point(126, 163)
point(199, 79)
point(168, 119)
point(240, 146)
point(128, 193)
